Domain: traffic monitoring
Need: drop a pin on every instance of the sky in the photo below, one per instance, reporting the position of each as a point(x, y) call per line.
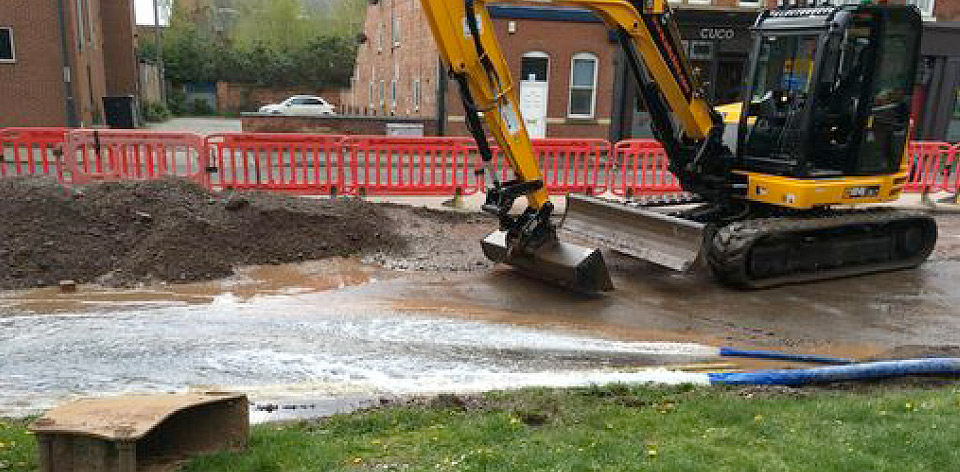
point(145, 12)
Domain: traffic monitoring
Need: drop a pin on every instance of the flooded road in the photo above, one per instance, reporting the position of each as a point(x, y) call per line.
point(338, 333)
point(278, 341)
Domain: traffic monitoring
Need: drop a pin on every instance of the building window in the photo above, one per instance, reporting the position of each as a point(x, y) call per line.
point(583, 85)
point(393, 95)
point(81, 38)
point(535, 66)
point(7, 52)
point(925, 6)
point(748, 3)
point(370, 95)
point(701, 50)
point(380, 37)
point(383, 94)
point(702, 2)
point(396, 32)
point(416, 95)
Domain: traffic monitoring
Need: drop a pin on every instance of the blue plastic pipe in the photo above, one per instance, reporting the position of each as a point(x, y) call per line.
point(859, 371)
point(781, 356)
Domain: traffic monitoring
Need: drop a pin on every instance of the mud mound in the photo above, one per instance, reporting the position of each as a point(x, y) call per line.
point(121, 233)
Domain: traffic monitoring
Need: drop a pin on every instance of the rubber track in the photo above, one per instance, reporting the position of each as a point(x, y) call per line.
point(730, 247)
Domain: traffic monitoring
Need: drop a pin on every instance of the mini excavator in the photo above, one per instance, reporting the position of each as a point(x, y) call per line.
point(774, 186)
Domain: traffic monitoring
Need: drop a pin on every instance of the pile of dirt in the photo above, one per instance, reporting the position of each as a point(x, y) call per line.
point(122, 233)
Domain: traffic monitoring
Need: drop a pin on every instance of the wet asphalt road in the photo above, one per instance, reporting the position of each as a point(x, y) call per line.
point(341, 330)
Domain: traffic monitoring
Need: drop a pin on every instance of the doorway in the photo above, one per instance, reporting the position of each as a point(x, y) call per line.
point(534, 92)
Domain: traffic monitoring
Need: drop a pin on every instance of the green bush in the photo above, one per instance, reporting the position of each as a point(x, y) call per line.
point(177, 102)
point(155, 112)
point(201, 107)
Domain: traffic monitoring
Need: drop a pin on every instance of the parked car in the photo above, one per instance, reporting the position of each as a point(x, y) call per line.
point(300, 105)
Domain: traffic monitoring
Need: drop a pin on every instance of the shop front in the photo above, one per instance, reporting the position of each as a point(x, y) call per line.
point(937, 97)
point(718, 44)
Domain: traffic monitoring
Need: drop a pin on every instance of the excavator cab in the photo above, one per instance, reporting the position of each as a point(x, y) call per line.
point(830, 92)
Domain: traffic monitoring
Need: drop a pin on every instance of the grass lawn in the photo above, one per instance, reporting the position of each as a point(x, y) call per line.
point(613, 428)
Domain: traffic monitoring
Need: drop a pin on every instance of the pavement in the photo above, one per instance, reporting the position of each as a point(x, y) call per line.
point(200, 125)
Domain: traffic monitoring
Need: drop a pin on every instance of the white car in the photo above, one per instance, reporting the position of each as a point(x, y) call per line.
point(300, 105)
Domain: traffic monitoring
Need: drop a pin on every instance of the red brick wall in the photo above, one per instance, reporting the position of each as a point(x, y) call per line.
point(947, 10)
point(118, 47)
point(380, 60)
point(349, 125)
point(31, 89)
point(560, 40)
point(89, 78)
point(236, 98)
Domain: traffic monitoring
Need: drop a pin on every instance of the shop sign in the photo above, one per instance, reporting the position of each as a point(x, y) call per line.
point(717, 33)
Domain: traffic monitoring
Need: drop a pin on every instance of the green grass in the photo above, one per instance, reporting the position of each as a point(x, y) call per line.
point(615, 429)
point(18, 451)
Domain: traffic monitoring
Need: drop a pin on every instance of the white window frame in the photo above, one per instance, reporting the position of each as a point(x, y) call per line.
point(699, 2)
point(81, 27)
point(593, 95)
point(380, 34)
point(537, 55)
point(395, 34)
point(926, 13)
point(13, 46)
point(371, 92)
point(750, 3)
point(383, 94)
point(393, 95)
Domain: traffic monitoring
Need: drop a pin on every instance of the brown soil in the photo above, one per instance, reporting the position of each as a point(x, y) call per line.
point(437, 240)
point(122, 233)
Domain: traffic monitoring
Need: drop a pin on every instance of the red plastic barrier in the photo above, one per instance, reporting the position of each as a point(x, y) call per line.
point(31, 151)
point(137, 155)
point(295, 163)
point(933, 167)
point(566, 165)
point(640, 166)
point(388, 165)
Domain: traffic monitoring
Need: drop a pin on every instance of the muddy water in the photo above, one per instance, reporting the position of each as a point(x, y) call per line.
point(333, 335)
point(318, 331)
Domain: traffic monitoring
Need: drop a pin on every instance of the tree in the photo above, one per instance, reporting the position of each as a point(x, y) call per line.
point(279, 25)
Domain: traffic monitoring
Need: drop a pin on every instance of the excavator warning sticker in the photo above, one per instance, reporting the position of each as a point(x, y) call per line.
point(509, 117)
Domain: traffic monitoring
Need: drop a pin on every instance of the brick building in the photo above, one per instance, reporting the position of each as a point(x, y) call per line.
point(572, 81)
point(59, 58)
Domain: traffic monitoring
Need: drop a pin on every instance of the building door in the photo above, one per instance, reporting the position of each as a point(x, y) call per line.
point(534, 92)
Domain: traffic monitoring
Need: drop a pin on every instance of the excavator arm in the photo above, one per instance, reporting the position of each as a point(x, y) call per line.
point(683, 121)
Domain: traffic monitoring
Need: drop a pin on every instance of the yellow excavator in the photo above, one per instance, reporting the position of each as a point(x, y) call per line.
point(823, 127)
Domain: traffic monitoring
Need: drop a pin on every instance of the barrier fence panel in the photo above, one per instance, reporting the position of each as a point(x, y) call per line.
point(296, 163)
point(566, 165)
point(31, 151)
point(393, 165)
point(92, 155)
point(932, 167)
point(639, 167)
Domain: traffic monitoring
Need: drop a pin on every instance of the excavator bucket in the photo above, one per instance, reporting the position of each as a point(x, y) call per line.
point(654, 237)
point(576, 267)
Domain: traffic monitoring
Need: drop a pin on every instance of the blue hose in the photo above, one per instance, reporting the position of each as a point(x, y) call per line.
point(781, 356)
point(860, 371)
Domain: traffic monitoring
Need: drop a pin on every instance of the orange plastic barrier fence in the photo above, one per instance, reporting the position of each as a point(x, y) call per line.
point(566, 165)
point(31, 151)
point(295, 163)
point(387, 165)
point(640, 166)
point(933, 167)
point(91, 155)
point(370, 165)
